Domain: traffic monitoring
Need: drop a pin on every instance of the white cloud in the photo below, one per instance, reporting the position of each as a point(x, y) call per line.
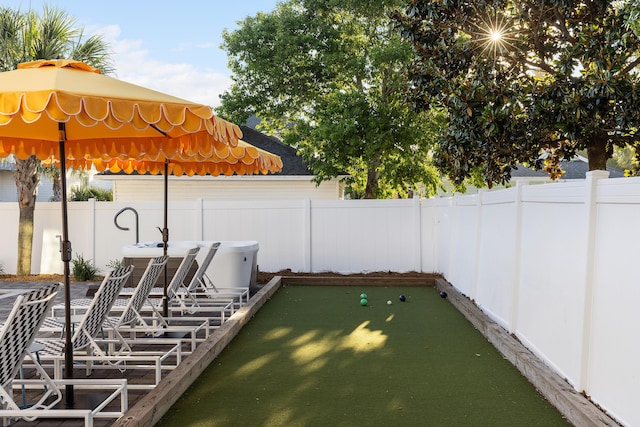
point(133, 64)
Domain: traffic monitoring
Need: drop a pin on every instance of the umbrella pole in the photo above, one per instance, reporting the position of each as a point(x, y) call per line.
point(165, 236)
point(65, 253)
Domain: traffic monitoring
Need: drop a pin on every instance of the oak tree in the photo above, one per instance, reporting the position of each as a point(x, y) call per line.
point(327, 77)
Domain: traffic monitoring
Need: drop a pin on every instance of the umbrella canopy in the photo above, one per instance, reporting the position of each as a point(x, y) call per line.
point(66, 110)
point(103, 117)
point(244, 159)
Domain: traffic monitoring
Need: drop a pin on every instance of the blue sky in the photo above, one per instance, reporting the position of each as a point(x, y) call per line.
point(170, 46)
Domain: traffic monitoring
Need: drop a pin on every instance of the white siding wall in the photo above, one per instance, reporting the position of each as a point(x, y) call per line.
point(223, 188)
point(9, 192)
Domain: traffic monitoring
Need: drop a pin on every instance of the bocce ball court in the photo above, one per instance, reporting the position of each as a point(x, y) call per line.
point(306, 351)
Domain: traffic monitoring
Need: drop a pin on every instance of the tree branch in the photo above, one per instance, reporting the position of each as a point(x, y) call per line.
point(542, 65)
point(536, 23)
point(623, 139)
point(561, 20)
point(631, 66)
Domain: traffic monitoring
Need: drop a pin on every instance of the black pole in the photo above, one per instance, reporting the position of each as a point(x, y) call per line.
point(65, 254)
point(165, 236)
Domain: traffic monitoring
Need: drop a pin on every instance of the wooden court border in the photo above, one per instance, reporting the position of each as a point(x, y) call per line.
point(576, 408)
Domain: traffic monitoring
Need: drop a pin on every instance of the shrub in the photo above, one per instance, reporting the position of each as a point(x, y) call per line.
point(114, 264)
point(83, 269)
point(82, 194)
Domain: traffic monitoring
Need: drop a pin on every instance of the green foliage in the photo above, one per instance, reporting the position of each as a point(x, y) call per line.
point(115, 264)
point(28, 36)
point(82, 193)
point(634, 16)
point(327, 77)
point(625, 159)
point(83, 269)
point(562, 77)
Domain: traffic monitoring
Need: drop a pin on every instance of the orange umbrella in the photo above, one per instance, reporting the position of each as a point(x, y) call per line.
point(246, 159)
point(66, 110)
point(103, 117)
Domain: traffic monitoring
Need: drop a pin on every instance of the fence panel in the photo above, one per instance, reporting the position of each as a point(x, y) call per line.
point(464, 240)
point(614, 350)
point(555, 264)
point(442, 212)
point(9, 216)
point(364, 236)
point(278, 227)
point(551, 294)
point(496, 255)
point(429, 215)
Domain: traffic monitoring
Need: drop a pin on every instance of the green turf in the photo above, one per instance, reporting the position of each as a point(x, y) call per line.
point(313, 356)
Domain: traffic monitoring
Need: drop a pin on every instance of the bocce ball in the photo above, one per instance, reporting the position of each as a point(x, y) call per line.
point(443, 294)
point(389, 302)
point(363, 296)
point(403, 298)
point(363, 301)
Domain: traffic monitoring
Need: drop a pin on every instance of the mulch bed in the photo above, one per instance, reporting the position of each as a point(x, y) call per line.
point(262, 276)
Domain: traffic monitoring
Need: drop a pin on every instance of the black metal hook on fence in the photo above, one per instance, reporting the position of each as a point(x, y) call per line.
point(115, 221)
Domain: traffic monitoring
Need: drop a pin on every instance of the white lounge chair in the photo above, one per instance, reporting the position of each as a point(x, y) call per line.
point(153, 305)
point(16, 336)
point(138, 317)
point(105, 353)
point(176, 281)
point(214, 313)
point(201, 293)
point(133, 326)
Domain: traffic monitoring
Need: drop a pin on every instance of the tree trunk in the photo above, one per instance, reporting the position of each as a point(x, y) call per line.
point(598, 153)
point(56, 180)
point(27, 180)
point(371, 188)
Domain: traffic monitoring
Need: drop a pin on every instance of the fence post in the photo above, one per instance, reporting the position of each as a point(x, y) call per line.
point(478, 244)
point(308, 260)
point(418, 233)
point(517, 261)
point(591, 212)
point(453, 235)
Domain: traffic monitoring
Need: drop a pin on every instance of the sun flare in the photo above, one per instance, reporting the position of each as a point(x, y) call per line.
point(494, 35)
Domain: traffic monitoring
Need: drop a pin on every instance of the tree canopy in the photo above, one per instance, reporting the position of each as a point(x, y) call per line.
point(524, 81)
point(327, 77)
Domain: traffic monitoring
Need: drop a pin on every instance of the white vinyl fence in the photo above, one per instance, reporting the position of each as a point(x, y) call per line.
point(553, 264)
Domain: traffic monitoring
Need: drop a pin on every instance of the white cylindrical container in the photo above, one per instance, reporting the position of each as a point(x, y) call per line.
point(139, 254)
point(235, 264)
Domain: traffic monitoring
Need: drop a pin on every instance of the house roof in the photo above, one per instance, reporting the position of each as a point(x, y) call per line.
point(292, 163)
point(574, 169)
